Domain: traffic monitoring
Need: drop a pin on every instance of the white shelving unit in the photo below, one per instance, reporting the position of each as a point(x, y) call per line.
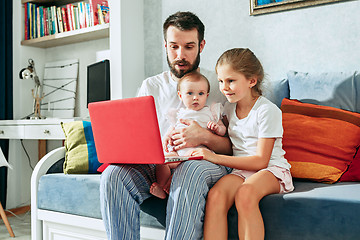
point(75, 36)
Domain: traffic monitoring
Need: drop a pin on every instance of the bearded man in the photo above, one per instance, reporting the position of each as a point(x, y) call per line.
point(124, 187)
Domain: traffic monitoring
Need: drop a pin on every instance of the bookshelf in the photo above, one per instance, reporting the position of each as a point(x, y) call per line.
point(68, 37)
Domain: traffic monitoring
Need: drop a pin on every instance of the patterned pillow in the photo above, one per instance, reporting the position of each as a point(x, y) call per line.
point(320, 141)
point(81, 154)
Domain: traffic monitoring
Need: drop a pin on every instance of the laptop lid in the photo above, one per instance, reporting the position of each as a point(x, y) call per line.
point(126, 131)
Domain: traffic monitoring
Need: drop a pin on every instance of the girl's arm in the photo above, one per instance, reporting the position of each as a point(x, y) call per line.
point(252, 163)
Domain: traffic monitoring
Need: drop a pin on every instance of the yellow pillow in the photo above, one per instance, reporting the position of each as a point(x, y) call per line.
point(81, 154)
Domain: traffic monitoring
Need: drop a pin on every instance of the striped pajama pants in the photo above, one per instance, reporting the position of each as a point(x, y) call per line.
point(124, 187)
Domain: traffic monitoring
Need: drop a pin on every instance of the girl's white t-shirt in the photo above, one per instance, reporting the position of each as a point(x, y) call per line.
point(263, 121)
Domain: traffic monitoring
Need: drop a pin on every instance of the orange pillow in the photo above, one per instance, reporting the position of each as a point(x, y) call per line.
point(320, 142)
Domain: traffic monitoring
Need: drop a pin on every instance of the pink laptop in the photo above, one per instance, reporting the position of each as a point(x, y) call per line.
point(126, 131)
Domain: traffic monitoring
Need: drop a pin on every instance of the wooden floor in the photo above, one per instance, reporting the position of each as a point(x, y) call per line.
point(20, 224)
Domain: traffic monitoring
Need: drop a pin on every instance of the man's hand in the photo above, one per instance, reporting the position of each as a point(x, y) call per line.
point(191, 136)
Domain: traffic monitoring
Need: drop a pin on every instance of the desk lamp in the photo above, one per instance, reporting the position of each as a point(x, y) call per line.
point(30, 73)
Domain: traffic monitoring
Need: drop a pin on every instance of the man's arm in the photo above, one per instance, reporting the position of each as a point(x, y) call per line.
point(194, 135)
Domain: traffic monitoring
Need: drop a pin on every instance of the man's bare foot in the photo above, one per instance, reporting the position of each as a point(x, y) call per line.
point(157, 191)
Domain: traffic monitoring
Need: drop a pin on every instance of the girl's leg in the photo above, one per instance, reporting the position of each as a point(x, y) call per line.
point(247, 198)
point(163, 173)
point(219, 200)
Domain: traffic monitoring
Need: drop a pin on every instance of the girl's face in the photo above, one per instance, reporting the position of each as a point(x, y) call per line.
point(234, 85)
point(193, 94)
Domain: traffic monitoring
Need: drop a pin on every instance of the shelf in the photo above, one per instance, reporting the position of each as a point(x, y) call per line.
point(52, 2)
point(75, 36)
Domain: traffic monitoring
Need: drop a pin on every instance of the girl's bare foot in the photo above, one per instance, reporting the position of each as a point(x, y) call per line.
point(157, 191)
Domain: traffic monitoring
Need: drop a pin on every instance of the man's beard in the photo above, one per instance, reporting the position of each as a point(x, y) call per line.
point(180, 73)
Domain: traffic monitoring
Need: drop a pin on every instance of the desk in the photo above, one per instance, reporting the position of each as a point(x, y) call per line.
point(40, 129)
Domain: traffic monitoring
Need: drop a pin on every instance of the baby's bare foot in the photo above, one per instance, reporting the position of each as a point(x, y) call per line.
point(157, 191)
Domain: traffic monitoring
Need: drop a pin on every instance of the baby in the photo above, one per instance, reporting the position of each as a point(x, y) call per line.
point(193, 91)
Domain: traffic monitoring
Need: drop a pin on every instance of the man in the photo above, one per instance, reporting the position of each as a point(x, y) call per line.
point(124, 188)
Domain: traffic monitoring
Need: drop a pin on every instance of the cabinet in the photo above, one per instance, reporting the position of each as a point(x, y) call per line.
point(74, 36)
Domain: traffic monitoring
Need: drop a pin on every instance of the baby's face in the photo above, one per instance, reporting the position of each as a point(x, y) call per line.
point(194, 94)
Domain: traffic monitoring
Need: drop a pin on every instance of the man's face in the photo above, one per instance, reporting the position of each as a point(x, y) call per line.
point(183, 50)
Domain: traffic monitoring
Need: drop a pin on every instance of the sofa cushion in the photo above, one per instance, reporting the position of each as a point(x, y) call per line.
point(79, 194)
point(80, 149)
point(319, 141)
point(70, 193)
point(313, 211)
point(336, 207)
point(338, 89)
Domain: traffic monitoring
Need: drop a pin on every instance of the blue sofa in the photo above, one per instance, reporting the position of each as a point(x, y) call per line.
point(69, 205)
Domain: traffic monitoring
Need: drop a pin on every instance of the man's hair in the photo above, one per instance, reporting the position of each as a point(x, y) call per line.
point(185, 21)
point(193, 76)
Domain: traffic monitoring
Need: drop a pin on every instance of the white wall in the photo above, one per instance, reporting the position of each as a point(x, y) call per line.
point(127, 47)
point(321, 38)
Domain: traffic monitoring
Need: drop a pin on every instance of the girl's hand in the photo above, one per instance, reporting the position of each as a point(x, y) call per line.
point(205, 153)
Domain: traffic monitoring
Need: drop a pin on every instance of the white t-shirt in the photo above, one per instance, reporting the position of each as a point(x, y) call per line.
point(263, 121)
point(164, 90)
point(202, 117)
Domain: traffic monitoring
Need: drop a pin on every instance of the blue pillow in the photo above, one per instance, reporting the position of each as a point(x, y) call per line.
point(333, 89)
point(276, 91)
point(80, 154)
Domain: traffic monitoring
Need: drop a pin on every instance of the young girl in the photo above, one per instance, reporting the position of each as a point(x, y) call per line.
point(259, 166)
point(193, 91)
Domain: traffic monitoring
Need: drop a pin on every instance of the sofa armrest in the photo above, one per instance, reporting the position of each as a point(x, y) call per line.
point(41, 169)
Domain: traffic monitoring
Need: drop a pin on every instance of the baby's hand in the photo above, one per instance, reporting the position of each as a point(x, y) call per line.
point(167, 142)
point(213, 126)
point(217, 128)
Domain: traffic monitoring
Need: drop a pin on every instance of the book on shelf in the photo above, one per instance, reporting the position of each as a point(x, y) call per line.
point(94, 6)
point(47, 20)
point(26, 25)
point(59, 19)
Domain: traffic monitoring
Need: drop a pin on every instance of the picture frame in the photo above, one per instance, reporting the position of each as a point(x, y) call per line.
point(258, 7)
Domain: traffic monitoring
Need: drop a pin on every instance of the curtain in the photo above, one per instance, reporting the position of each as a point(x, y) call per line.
point(6, 82)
